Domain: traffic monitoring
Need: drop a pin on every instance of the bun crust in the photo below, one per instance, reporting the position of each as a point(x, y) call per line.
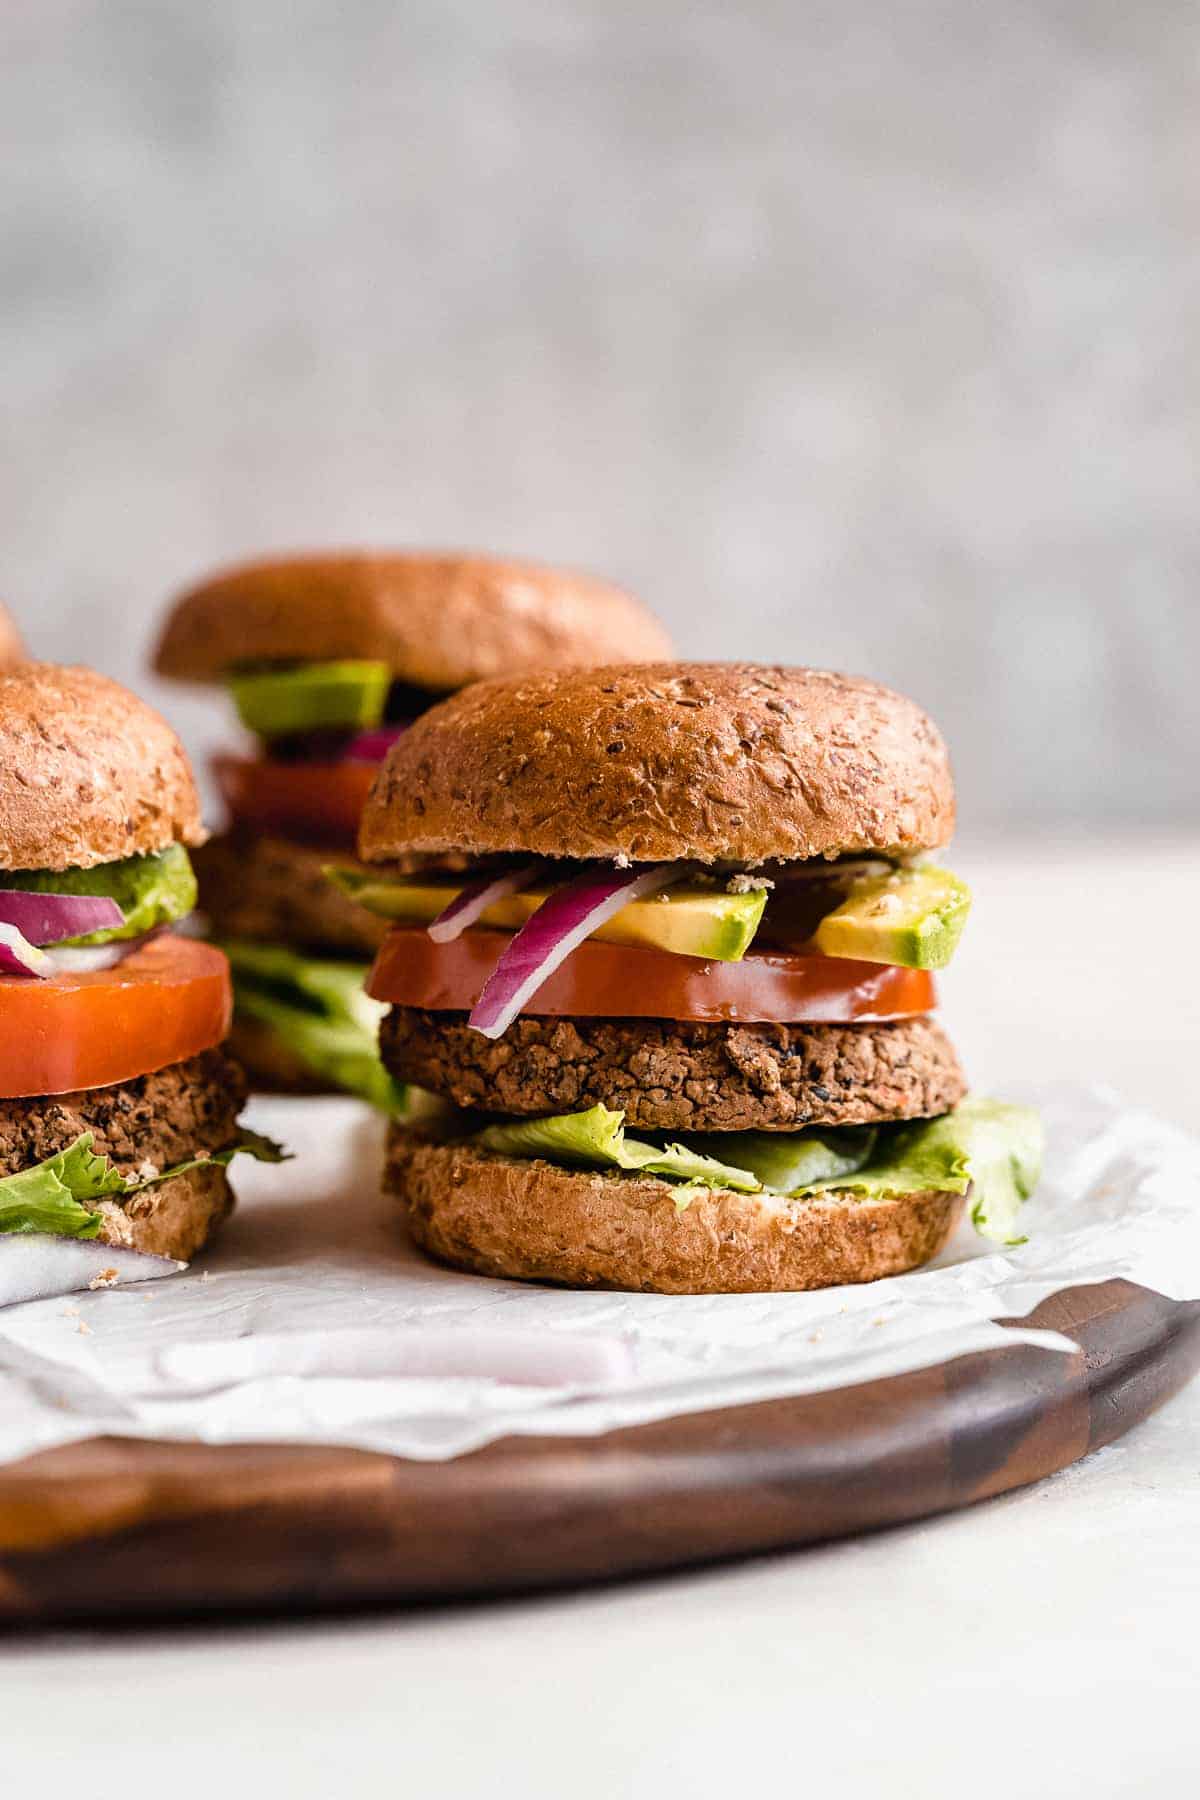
point(12, 648)
point(534, 1221)
point(177, 1218)
point(708, 762)
point(88, 772)
point(438, 621)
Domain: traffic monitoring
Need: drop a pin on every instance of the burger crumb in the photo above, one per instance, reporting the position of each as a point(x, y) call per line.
point(83, 1328)
point(105, 1279)
point(747, 883)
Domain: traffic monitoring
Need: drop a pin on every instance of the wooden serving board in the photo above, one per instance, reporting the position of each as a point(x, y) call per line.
point(117, 1530)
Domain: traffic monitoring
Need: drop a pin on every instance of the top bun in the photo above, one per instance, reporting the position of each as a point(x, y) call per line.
point(12, 649)
point(88, 772)
point(437, 621)
point(655, 763)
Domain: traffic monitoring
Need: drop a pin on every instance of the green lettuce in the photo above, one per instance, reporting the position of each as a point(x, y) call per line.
point(150, 890)
point(49, 1196)
point(989, 1146)
point(319, 1009)
point(992, 1148)
point(598, 1137)
point(788, 1162)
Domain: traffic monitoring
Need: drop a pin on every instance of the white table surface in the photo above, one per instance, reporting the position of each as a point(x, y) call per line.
point(1044, 1644)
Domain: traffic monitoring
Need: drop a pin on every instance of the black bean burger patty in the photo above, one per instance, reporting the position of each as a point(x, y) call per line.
point(163, 1118)
point(676, 1076)
point(275, 890)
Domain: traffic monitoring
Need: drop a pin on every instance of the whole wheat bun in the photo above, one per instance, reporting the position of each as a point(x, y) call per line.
point(438, 621)
point(720, 762)
point(88, 772)
point(12, 648)
point(175, 1218)
point(534, 1221)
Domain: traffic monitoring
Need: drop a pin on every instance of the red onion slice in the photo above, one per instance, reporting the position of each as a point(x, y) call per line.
point(76, 958)
point(45, 918)
point(372, 746)
point(471, 902)
point(36, 1265)
point(559, 925)
point(17, 957)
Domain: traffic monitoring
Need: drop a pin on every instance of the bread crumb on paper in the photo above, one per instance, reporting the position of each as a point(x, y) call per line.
point(106, 1278)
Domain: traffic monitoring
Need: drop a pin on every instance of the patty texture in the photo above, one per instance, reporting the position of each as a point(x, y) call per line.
point(534, 1221)
point(681, 1076)
point(159, 1119)
point(274, 890)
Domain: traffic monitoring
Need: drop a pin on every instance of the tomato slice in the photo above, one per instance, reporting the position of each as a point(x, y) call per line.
point(168, 1001)
point(319, 802)
point(624, 981)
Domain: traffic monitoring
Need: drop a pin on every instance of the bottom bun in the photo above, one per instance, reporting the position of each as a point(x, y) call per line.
point(534, 1221)
point(176, 1218)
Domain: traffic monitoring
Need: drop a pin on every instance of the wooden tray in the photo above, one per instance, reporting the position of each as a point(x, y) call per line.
point(119, 1530)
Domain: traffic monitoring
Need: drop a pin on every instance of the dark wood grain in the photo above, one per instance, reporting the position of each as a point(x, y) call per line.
point(117, 1530)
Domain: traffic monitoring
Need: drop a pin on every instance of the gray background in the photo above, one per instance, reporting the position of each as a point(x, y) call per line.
point(862, 334)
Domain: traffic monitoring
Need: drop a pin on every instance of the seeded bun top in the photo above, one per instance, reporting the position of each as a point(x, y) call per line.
point(88, 772)
point(12, 650)
point(437, 621)
point(705, 762)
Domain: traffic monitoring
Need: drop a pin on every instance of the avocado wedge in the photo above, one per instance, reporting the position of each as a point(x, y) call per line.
point(349, 696)
point(150, 890)
point(689, 919)
point(912, 918)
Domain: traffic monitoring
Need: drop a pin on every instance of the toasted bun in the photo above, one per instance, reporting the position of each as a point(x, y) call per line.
point(438, 621)
point(12, 649)
point(88, 772)
point(174, 1219)
point(534, 1221)
point(708, 762)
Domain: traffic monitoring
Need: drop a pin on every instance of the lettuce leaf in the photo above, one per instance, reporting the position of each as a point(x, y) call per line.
point(598, 1137)
point(992, 1148)
point(49, 1196)
point(989, 1146)
point(318, 1007)
point(789, 1162)
point(150, 890)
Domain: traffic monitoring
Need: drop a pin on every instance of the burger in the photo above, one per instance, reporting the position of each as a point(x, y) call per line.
point(676, 1010)
point(328, 661)
point(118, 1106)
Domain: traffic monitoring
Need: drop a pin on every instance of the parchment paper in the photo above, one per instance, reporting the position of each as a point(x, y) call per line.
point(313, 1320)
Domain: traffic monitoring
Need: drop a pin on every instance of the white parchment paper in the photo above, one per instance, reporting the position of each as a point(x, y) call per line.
point(315, 1321)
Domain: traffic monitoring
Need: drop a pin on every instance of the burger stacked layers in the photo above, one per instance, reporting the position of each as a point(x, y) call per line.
point(676, 1008)
point(329, 659)
point(118, 1107)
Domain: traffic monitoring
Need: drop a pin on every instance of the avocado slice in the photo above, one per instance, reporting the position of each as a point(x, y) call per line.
point(689, 919)
point(349, 696)
point(150, 890)
point(912, 918)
